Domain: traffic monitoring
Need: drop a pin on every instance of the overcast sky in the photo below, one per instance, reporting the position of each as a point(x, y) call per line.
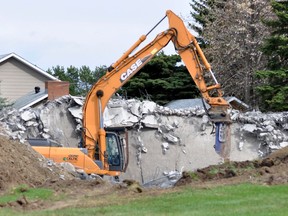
point(89, 32)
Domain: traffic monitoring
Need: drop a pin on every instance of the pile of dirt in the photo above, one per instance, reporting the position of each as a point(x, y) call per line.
point(20, 164)
point(270, 170)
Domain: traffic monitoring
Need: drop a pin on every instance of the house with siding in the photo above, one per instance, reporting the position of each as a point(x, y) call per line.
point(25, 84)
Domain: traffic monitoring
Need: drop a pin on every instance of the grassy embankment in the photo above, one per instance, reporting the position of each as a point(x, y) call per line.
point(243, 199)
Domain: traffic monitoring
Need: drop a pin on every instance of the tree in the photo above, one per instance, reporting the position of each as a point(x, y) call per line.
point(200, 11)
point(234, 35)
point(162, 79)
point(85, 79)
point(58, 72)
point(72, 74)
point(274, 87)
point(201, 14)
point(81, 80)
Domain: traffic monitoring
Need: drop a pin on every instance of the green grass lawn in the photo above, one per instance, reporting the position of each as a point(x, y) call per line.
point(29, 193)
point(244, 199)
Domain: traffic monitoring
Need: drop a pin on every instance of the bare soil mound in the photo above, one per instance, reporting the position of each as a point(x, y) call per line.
point(270, 170)
point(20, 164)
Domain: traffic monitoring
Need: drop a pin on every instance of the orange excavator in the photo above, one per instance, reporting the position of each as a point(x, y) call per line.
point(103, 151)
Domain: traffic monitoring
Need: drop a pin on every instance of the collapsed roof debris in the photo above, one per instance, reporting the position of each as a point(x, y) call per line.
point(160, 138)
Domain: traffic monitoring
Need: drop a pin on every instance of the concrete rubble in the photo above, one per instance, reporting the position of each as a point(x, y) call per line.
point(162, 141)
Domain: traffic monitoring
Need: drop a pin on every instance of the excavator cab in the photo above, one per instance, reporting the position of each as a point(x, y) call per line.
point(111, 151)
point(102, 151)
point(115, 152)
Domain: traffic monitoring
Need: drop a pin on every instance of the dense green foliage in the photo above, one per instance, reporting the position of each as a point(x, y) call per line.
point(274, 88)
point(81, 79)
point(199, 13)
point(161, 80)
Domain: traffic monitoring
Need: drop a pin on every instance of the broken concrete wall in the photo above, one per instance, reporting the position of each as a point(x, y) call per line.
point(51, 120)
point(194, 149)
point(161, 139)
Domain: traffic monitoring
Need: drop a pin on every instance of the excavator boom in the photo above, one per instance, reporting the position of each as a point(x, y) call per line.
point(105, 149)
point(129, 64)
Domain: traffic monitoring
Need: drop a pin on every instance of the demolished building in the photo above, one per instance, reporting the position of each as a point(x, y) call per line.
point(161, 140)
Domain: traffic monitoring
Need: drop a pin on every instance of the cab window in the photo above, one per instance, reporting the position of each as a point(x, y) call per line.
point(112, 150)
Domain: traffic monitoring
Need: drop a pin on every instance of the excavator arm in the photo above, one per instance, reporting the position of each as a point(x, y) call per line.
point(94, 134)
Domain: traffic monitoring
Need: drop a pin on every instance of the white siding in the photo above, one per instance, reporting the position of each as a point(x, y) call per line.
point(17, 79)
